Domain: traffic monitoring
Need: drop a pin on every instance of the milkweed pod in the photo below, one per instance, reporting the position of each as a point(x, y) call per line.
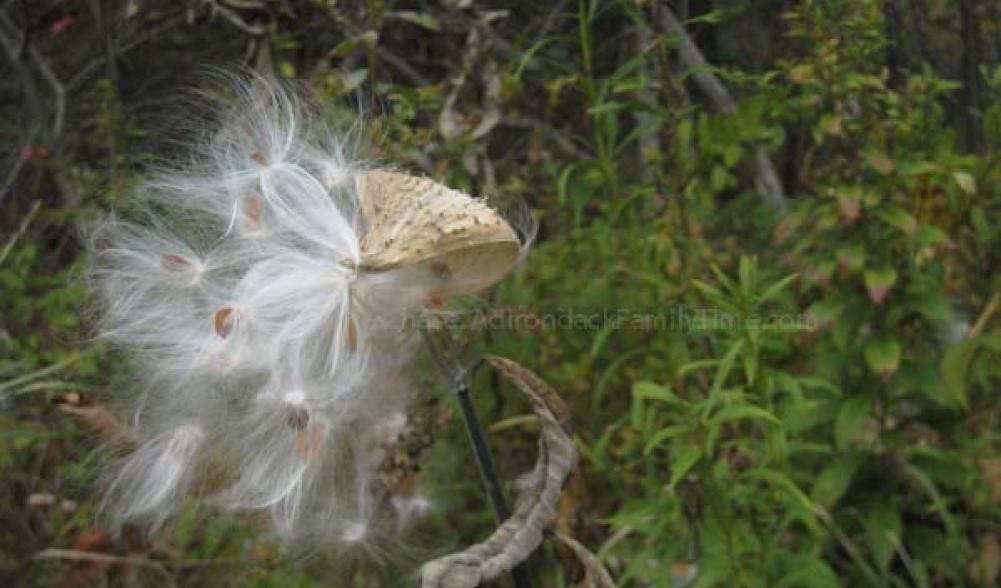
point(464, 244)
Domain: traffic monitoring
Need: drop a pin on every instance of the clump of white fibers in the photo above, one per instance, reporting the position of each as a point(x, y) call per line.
point(268, 289)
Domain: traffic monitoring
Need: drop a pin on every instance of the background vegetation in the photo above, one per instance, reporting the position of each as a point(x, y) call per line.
point(813, 211)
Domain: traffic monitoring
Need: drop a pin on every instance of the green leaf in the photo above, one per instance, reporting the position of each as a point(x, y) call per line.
point(738, 412)
point(776, 288)
point(421, 19)
point(606, 107)
point(880, 162)
point(651, 391)
point(665, 434)
point(809, 572)
point(929, 236)
point(722, 373)
point(724, 279)
point(955, 367)
point(854, 425)
point(882, 523)
point(682, 462)
point(715, 296)
point(828, 309)
point(851, 258)
point(601, 339)
point(896, 216)
point(879, 282)
point(747, 270)
point(882, 354)
point(783, 482)
point(751, 367)
point(743, 412)
point(834, 480)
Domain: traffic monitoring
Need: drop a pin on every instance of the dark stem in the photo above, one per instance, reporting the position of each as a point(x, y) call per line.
point(458, 382)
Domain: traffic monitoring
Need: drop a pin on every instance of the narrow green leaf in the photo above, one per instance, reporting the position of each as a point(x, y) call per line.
point(897, 217)
point(776, 288)
point(421, 19)
point(834, 480)
point(722, 373)
point(882, 522)
point(955, 367)
point(682, 462)
point(665, 434)
point(651, 391)
point(744, 412)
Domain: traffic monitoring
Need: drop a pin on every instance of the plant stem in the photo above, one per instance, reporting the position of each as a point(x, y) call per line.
point(458, 382)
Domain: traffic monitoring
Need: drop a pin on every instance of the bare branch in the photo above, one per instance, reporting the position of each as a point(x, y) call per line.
point(58, 89)
point(767, 181)
point(22, 227)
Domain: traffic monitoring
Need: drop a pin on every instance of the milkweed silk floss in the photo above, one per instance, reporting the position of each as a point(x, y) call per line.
point(267, 291)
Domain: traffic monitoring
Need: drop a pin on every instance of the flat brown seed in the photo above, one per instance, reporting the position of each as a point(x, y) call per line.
point(309, 441)
point(252, 212)
point(259, 158)
point(224, 321)
point(173, 262)
point(352, 335)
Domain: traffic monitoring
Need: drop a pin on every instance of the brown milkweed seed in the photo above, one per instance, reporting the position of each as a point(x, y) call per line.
point(224, 321)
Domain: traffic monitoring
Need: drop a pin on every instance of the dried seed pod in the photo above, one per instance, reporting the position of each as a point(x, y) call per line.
point(536, 508)
point(412, 221)
point(596, 576)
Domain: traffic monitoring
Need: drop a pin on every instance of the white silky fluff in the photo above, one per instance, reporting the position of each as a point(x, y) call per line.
point(268, 359)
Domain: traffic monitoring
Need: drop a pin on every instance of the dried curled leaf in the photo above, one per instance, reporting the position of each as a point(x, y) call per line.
point(536, 507)
point(97, 417)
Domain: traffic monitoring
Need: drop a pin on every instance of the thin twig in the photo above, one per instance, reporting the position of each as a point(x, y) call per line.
point(109, 42)
point(15, 169)
point(58, 89)
point(985, 316)
point(20, 229)
point(105, 558)
point(691, 57)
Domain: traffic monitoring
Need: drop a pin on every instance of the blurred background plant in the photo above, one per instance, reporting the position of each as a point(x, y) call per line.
point(780, 220)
